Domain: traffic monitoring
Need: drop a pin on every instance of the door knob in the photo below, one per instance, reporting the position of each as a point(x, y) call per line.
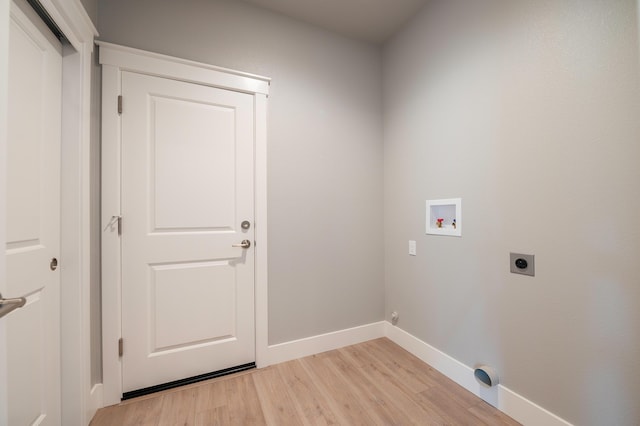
point(243, 244)
point(53, 265)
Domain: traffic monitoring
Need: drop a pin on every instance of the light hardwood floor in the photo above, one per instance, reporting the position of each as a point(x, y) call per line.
point(372, 383)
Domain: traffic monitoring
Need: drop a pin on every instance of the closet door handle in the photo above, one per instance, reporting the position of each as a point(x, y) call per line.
point(8, 305)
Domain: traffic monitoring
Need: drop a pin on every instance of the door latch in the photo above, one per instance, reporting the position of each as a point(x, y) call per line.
point(115, 220)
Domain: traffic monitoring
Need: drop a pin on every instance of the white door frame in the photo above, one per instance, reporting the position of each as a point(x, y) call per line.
point(79, 400)
point(116, 59)
point(4, 89)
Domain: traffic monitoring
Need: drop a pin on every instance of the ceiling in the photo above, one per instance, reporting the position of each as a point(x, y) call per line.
point(368, 20)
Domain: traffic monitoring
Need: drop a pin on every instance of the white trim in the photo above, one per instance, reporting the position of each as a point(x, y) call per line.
point(73, 339)
point(110, 193)
point(324, 342)
point(4, 86)
point(73, 20)
point(504, 399)
point(261, 265)
point(95, 399)
point(116, 59)
point(127, 58)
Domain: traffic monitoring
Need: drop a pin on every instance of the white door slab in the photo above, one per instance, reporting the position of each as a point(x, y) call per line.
point(187, 185)
point(33, 220)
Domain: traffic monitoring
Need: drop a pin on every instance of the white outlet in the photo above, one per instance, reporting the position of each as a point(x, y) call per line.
point(412, 248)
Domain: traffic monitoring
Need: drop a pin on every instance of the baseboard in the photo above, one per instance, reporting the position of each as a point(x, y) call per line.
point(324, 342)
point(504, 399)
point(95, 401)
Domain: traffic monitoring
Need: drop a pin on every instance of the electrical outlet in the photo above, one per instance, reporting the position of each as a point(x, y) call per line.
point(522, 264)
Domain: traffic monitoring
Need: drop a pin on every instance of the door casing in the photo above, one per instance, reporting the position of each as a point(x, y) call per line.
point(114, 60)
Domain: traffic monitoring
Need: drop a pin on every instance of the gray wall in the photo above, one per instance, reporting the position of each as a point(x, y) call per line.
point(324, 149)
point(529, 112)
point(91, 6)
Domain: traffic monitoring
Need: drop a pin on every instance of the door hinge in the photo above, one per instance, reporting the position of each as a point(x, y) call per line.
point(119, 104)
point(120, 347)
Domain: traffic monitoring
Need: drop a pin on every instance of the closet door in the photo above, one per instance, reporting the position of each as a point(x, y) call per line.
point(33, 220)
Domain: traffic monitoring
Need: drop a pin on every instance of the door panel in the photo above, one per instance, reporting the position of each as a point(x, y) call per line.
point(187, 184)
point(208, 289)
point(197, 163)
point(33, 219)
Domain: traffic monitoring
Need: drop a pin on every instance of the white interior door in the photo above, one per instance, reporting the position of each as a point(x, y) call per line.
point(187, 185)
point(33, 220)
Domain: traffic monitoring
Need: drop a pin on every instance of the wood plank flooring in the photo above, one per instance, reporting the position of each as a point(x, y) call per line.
point(372, 383)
